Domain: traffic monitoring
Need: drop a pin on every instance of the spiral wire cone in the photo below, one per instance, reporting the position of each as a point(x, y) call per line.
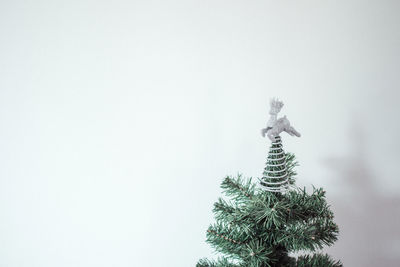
point(275, 175)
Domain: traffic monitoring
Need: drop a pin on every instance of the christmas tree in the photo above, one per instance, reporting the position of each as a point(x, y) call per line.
point(269, 222)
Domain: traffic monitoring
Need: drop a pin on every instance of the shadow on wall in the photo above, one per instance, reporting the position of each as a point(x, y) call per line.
point(368, 220)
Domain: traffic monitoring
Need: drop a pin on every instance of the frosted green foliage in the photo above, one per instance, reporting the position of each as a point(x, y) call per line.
point(316, 260)
point(258, 228)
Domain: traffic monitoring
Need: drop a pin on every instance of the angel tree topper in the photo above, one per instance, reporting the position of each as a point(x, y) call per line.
point(276, 126)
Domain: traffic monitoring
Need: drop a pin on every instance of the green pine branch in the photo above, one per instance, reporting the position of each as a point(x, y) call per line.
point(221, 262)
point(304, 206)
point(309, 236)
point(291, 163)
point(317, 260)
point(237, 189)
point(230, 214)
point(227, 239)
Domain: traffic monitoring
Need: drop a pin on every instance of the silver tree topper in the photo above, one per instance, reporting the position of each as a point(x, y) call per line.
point(275, 126)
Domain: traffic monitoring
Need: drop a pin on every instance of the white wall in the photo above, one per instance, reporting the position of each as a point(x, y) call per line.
point(119, 119)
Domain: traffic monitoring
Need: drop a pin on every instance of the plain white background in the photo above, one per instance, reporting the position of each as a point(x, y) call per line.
point(119, 119)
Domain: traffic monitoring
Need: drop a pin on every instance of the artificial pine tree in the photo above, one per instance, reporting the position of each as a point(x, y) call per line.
point(264, 224)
